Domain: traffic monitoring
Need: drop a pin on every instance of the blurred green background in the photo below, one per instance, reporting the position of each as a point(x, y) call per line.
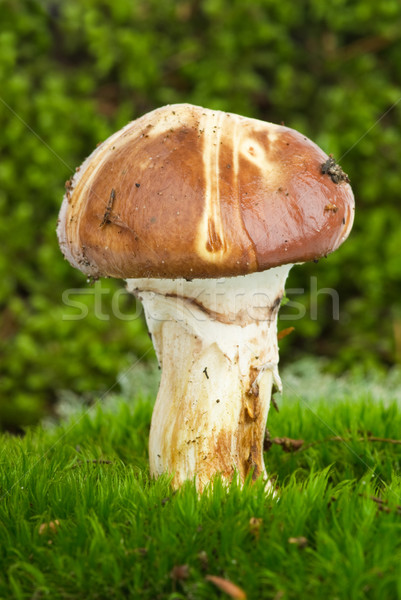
point(71, 73)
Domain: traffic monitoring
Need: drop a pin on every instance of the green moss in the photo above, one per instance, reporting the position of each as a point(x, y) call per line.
point(333, 530)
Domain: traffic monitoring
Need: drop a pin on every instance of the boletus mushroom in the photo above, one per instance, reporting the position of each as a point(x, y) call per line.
point(203, 213)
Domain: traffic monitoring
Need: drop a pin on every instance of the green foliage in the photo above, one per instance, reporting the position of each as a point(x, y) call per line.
point(72, 73)
point(119, 534)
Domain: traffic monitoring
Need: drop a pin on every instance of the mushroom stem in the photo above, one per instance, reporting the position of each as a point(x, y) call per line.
point(216, 342)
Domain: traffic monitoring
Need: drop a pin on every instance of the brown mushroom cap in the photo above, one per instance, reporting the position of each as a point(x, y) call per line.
point(189, 192)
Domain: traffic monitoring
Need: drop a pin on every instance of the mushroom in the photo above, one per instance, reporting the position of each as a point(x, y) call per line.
point(203, 213)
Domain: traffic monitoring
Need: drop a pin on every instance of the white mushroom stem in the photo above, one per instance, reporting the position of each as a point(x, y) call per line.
point(216, 342)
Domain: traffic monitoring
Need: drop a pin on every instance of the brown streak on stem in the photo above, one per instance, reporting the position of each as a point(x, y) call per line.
point(250, 440)
point(241, 318)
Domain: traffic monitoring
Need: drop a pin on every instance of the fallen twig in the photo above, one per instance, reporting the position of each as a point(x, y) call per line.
point(92, 462)
point(382, 504)
point(291, 445)
point(287, 444)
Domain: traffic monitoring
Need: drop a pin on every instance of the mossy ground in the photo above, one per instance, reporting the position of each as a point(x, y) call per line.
point(334, 529)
